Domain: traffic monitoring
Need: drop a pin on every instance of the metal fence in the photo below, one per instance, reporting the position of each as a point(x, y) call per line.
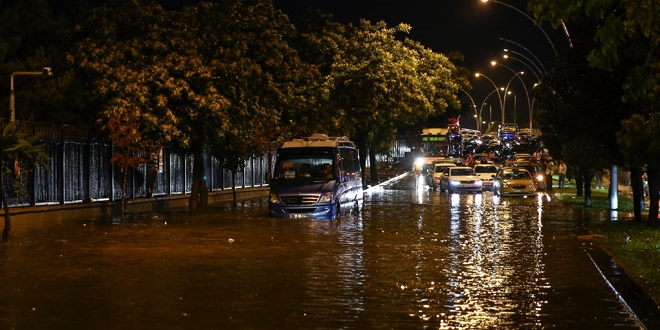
point(80, 170)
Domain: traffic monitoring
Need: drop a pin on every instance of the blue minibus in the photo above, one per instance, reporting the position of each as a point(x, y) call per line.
point(318, 177)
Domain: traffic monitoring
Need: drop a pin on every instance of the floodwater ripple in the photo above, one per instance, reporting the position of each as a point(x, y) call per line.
point(414, 259)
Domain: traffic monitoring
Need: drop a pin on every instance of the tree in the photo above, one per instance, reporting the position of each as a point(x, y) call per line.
point(132, 149)
point(627, 40)
point(382, 83)
point(640, 141)
point(206, 77)
point(319, 41)
point(142, 65)
point(17, 151)
point(255, 70)
point(579, 114)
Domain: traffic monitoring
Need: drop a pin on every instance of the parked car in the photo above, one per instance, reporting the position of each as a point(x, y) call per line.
point(513, 181)
point(460, 178)
point(436, 173)
point(486, 172)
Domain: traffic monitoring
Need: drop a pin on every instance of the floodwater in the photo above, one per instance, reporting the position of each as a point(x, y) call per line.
point(414, 259)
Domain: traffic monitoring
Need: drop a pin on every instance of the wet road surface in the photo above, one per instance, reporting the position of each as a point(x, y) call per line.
point(414, 259)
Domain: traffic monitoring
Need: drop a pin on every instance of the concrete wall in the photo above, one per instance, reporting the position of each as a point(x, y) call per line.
point(107, 209)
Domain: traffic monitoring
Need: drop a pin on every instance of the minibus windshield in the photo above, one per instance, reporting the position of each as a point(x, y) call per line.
point(300, 167)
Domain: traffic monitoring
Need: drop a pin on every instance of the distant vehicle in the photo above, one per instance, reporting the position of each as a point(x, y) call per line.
point(522, 157)
point(511, 181)
point(318, 177)
point(486, 172)
point(507, 131)
point(482, 158)
point(436, 173)
point(460, 178)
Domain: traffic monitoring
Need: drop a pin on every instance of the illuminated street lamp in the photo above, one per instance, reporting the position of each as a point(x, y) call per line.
point(530, 103)
point(47, 71)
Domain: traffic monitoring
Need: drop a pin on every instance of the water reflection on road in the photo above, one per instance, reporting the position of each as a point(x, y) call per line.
point(414, 259)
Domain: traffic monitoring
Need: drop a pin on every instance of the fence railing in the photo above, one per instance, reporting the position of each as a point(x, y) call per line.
point(80, 170)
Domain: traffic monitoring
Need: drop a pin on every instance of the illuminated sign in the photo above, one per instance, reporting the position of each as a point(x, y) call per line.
point(437, 138)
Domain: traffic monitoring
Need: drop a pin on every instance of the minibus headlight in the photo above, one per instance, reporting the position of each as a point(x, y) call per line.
point(325, 197)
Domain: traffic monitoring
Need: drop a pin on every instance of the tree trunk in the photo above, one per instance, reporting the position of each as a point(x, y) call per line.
point(124, 177)
point(638, 192)
point(199, 198)
point(233, 188)
point(5, 206)
point(374, 167)
point(588, 176)
point(654, 187)
point(579, 183)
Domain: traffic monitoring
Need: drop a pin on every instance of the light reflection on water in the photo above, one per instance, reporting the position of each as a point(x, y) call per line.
point(420, 260)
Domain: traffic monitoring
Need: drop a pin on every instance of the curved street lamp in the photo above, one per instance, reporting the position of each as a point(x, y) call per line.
point(530, 102)
point(538, 61)
point(473, 106)
point(497, 89)
point(12, 94)
point(507, 56)
point(481, 109)
point(531, 19)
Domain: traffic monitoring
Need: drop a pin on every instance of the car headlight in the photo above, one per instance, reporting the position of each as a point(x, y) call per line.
point(325, 197)
point(531, 185)
point(455, 182)
point(274, 199)
point(505, 185)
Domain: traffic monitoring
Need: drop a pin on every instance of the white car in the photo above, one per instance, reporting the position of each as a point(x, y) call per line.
point(460, 178)
point(486, 172)
point(436, 173)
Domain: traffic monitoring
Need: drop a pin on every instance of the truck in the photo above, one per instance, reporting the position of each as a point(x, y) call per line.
point(318, 177)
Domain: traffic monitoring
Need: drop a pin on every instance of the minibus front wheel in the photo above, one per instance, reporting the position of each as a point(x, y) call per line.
point(336, 211)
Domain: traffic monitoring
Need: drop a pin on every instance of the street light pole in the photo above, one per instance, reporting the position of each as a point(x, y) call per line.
point(538, 61)
point(12, 94)
point(516, 74)
point(506, 57)
point(499, 97)
point(531, 19)
point(473, 105)
point(530, 102)
point(481, 109)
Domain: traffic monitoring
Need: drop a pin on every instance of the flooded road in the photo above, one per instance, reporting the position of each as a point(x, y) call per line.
point(414, 259)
